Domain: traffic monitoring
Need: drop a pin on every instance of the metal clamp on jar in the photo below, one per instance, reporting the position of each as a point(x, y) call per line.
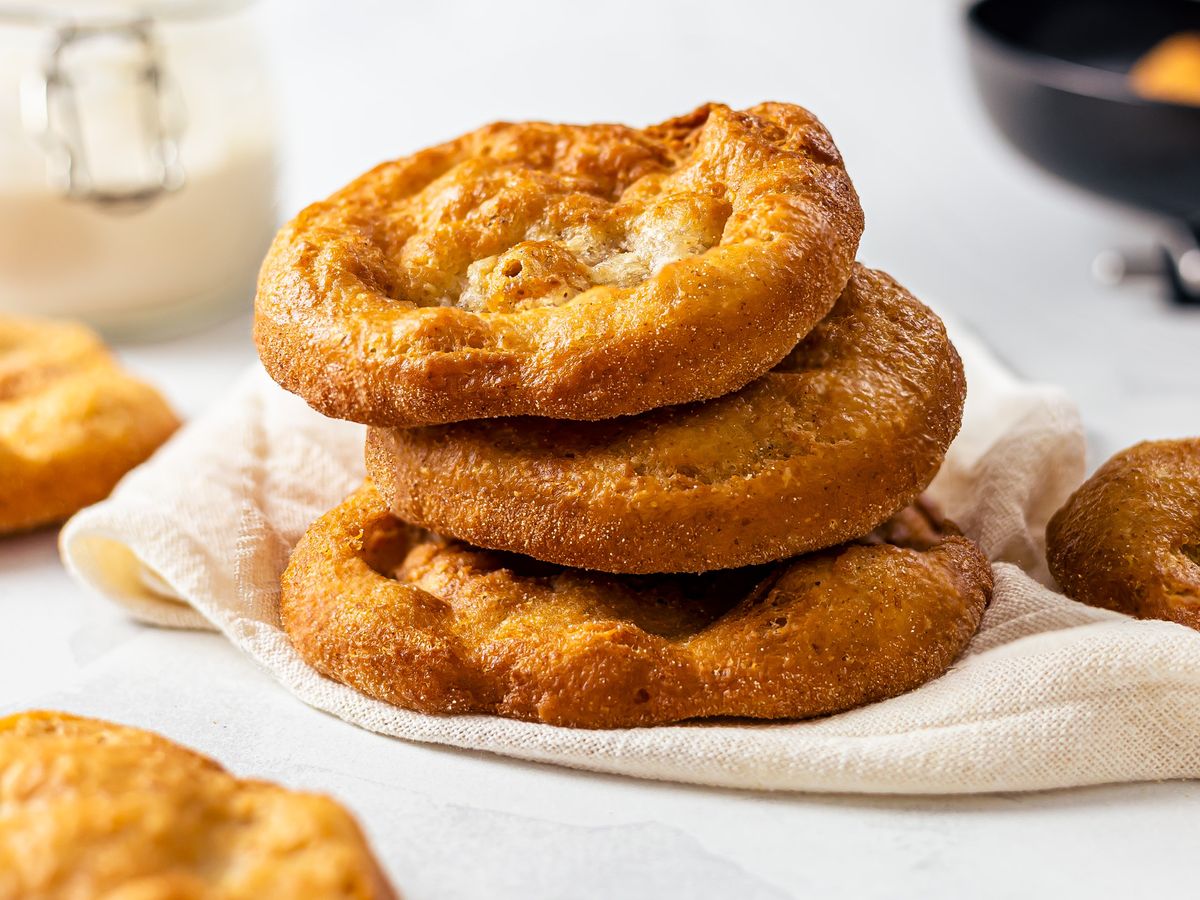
point(51, 110)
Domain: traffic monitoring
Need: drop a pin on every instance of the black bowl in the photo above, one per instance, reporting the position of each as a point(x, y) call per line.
point(1053, 75)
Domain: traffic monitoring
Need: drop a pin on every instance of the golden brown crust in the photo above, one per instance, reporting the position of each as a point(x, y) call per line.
point(72, 422)
point(1129, 538)
point(848, 429)
point(454, 629)
point(91, 809)
point(576, 272)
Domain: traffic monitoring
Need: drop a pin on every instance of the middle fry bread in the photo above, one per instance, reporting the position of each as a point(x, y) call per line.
point(846, 431)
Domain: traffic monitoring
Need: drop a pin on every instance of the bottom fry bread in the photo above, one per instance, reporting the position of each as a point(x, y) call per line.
point(438, 626)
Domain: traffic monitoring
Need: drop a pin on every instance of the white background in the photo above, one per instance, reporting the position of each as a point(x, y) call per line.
point(950, 211)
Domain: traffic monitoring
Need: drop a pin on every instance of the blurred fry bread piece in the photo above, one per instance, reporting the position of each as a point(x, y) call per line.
point(93, 809)
point(1129, 538)
point(1170, 71)
point(72, 422)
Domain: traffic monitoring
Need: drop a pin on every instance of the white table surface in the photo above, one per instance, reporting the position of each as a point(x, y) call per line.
point(951, 212)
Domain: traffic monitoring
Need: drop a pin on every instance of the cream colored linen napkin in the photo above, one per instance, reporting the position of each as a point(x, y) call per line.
point(1051, 693)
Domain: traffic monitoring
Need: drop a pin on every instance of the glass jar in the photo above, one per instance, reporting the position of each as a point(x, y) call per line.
point(138, 158)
